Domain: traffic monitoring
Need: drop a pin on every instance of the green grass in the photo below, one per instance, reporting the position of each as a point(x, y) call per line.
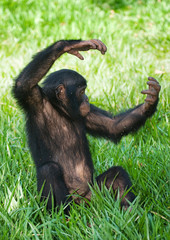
point(137, 34)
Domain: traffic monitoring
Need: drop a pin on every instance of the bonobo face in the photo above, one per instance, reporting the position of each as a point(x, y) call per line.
point(78, 104)
point(66, 90)
point(72, 100)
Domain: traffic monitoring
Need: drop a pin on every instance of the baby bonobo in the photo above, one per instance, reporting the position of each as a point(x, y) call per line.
point(58, 117)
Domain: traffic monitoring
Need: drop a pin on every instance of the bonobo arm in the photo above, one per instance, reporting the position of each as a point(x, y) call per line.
point(26, 90)
point(101, 123)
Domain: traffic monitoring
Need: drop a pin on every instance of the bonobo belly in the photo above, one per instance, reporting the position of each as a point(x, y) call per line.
point(78, 180)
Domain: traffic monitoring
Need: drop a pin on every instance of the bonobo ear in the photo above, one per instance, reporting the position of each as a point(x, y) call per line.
point(60, 92)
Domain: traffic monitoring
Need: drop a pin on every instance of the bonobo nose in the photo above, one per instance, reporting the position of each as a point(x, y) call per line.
point(87, 100)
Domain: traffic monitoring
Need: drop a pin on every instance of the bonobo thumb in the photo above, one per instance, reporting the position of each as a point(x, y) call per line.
point(77, 54)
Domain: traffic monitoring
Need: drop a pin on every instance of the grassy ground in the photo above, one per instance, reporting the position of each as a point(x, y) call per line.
point(137, 36)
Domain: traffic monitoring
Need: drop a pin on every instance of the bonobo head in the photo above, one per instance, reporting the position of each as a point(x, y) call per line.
point(65, 90)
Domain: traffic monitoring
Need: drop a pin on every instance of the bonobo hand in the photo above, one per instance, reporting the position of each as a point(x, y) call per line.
point(85, 46)
point(152, 93)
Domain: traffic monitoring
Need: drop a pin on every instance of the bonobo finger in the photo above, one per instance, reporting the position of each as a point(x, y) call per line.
point(100, 45)
point(77, 54)
point(150, 100)
point(155, 85)
point(97, 43)
point(91, 44)
point(153, 79)
point(84, 46)
point(150, 92)
point(104, 48)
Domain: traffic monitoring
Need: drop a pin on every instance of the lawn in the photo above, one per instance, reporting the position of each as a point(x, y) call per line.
point(137, 35)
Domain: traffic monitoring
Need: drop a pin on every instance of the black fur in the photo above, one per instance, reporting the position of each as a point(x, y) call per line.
point(57, 139)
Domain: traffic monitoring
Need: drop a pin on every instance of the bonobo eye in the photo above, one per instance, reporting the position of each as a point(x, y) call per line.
point(82, 92)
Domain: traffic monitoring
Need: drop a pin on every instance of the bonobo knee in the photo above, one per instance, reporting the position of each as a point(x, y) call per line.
point(50, 168)
point(50, 177)
point(116, 175)
point(49, 173)
point(121, 174)
point(120, 177)
point(120, 184)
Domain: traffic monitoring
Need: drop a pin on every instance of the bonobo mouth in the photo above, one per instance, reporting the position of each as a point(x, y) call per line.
point(84, 109)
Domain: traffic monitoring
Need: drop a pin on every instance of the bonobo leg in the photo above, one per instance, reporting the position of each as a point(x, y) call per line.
point(117, 179)
point(50, 179)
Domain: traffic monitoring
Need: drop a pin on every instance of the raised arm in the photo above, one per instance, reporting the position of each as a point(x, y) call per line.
point(26, 90)
point(101, 123)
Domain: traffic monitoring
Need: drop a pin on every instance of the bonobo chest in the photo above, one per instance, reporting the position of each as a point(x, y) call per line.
point(58, 131)
point(66, 142)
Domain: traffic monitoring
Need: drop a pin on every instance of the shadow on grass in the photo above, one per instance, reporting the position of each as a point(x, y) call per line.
point(117, 4)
